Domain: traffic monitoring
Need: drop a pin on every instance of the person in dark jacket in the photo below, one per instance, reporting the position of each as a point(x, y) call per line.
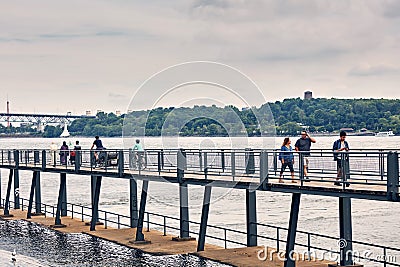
point(287, 158)
point(340, 145)
point(64, 153)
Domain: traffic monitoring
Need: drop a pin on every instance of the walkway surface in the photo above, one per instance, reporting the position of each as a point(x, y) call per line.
point(164, 245)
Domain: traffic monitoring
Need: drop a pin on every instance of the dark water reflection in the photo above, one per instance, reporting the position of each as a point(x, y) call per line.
point(52, 248)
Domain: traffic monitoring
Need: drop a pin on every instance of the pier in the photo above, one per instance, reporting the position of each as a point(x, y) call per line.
point(368, 174)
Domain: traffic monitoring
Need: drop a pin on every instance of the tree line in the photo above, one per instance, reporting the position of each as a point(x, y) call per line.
point(285, 117)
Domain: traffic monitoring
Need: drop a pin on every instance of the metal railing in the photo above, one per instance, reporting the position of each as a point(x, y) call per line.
point(363, 251)
point(370, 168)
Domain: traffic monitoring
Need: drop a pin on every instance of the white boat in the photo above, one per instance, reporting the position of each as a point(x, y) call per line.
point(384, 134)
point(65, 133)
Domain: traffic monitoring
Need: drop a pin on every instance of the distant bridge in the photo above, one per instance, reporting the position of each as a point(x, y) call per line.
point(40, 118)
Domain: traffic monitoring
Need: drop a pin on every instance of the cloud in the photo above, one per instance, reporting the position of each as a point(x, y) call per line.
point(373, 70)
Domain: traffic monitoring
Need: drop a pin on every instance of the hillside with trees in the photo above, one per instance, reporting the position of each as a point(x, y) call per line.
point(319, 114)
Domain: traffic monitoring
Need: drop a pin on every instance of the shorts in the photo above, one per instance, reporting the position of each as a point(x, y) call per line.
point(305, 160)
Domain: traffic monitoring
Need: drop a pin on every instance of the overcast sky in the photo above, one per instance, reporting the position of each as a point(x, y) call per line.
point(59, 56)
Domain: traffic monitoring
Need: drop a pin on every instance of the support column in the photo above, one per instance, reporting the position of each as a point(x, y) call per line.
point(346, 232)
point(291, 237)
point(204, 218)
point(133, 202)
point(63, 184)
point(95, 204)
point(16, 180)
point(64, 195)
point(251, 217)
point(184, 210)
point(139, 229)
point(7, 204)
point(33, 186)
point(38, 195)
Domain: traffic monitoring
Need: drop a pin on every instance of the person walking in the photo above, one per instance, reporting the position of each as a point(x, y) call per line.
point(64, 153)
point(287, 158)
point(72, 156)
point(303, 144)
point(341, 145)
point(99, 146)
point(138, 155)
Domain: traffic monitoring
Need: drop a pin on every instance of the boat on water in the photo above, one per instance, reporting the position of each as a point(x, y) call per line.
point(384, 134)
point(65, 133)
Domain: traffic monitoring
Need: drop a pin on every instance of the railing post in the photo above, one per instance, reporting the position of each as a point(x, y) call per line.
point(264, 169)
point(36, 158)
point(205, 165)
point(159, 162)
point(44, 161)
point(120, 163)
point(131, 157)
point(78, 160)
point(181, 164)
point(250, 164)
point(223, 160)
point(392, 176)
point(233, 165)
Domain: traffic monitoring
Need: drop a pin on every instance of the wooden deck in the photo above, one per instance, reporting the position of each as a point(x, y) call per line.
point(164, 245)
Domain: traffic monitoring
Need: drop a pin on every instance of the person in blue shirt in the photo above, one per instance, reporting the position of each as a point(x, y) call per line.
point(287, 158)
point(340, 145)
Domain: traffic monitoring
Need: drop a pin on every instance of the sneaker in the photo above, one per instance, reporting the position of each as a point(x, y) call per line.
point(337, 183)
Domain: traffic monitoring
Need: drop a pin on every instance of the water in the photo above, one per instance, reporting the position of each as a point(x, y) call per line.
point(373, 221)
point(38, 246)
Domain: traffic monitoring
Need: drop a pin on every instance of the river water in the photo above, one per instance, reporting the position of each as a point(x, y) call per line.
point(373, 221)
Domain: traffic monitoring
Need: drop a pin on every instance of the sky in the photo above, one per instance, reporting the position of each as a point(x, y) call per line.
point(72, 56)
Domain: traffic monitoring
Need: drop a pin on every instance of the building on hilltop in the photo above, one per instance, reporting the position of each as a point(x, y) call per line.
point(308, 95)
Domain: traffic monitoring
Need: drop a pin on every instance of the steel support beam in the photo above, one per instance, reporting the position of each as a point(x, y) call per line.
point(33, 187)
point(143, 198)
point(16, 180)
point(61, 192)
point(251, 217)
point(291, 237)
point(7, 204)
point(95, 204)
point(93, 180)
point(133, 202)
point(204, 218)
point(64, 196)
point(184, 210)
point(346, 232)
point(38, 194)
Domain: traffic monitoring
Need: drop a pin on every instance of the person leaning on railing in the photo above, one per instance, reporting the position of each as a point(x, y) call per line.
point(340, 145)
point(287, 158)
